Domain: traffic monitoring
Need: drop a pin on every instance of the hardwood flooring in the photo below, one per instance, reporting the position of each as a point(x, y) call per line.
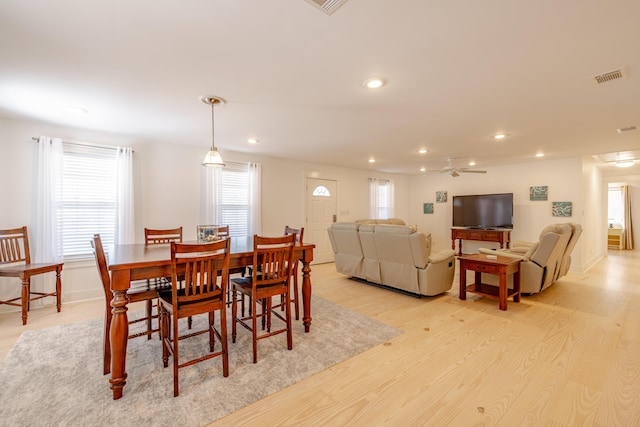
point(567, 357)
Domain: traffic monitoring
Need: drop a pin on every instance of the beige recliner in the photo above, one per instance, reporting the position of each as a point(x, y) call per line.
point(543, 262)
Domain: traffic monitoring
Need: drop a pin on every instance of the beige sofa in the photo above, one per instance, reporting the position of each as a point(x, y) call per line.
point(543, 262)
point(391, 254)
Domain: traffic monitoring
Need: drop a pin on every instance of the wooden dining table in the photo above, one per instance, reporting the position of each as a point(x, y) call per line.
point(139, 261)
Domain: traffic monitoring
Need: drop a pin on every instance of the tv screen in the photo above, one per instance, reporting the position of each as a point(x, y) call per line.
point(483, 211)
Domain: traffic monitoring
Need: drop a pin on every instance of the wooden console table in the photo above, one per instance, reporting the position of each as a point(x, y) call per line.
point(501, 266)
point(499, 236)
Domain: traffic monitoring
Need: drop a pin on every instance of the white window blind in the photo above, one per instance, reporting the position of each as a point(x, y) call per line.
point(88, 198)
point(234, 202)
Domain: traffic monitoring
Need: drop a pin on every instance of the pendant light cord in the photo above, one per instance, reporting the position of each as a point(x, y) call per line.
point(212, 128)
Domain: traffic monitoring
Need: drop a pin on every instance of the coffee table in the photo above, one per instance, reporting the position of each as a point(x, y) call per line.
point(501, 266)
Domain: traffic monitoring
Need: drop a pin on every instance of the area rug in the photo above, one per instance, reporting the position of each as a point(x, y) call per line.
point(53, 376)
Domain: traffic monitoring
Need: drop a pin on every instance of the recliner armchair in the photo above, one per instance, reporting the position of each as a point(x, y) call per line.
point(543, 262)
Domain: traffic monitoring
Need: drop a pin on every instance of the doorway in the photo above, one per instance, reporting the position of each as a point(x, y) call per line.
point(321, 204)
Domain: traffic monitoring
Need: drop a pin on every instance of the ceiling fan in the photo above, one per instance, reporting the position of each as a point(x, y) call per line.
point(453, 170)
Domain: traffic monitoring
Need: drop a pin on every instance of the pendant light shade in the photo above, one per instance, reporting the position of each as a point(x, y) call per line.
point(213, 157)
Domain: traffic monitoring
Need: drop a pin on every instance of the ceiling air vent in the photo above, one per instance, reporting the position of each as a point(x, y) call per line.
point(607, 77)
point(328, 6)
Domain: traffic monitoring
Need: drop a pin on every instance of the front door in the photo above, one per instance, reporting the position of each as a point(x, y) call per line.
point(322, 208)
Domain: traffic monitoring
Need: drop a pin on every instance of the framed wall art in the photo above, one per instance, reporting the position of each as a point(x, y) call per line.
point(561, 208)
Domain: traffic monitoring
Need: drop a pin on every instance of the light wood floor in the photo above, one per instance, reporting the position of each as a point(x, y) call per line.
point(567, 357)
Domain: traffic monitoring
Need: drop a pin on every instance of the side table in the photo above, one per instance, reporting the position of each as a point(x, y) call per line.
point(501, 266)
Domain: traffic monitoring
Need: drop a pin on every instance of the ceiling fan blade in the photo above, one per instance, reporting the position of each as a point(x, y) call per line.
point(471, 171)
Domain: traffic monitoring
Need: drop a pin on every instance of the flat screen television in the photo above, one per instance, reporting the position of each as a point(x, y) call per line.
point(484, 211)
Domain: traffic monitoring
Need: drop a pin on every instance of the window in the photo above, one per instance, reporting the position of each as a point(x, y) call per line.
point(616, 208)
point(380, 198)
point(234, 197)
point(88, 197)
point(321, 191)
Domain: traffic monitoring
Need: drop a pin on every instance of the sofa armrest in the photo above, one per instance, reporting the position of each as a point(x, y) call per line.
point(442, 256)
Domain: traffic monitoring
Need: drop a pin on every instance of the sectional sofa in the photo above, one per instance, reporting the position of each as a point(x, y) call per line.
point(390, 253)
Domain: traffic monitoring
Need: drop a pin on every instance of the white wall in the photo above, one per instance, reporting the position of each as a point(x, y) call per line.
point(565, 179)
point(168, 192)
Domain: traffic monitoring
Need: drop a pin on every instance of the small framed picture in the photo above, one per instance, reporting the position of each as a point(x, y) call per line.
point(207, 233)
point(441, 196)
point(538, 193)
point(428, 208)
point(561, 208)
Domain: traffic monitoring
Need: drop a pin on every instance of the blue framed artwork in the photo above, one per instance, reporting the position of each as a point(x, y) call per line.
point(561, 208)
point(428, 208)
point(441, 196)
point(538, 193)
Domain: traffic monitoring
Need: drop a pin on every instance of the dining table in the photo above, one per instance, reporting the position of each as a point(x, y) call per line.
point(130, 262)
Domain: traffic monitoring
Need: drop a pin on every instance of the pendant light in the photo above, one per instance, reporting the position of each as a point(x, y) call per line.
point(213, 158)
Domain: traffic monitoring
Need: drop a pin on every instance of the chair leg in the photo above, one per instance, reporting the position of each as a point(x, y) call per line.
point(254, 329)
point(295, 295)
point(26, 285)
point(212, 335)
point(149, 314)
point(58, 289)
point(106, 342)
point(225, 344)
point(174, 341)
point(288, 319)
point(234, 314)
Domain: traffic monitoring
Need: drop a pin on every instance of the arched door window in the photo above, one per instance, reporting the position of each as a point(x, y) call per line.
point(321, 191)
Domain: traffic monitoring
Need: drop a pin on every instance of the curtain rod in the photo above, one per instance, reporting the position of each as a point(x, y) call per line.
point(84, 144)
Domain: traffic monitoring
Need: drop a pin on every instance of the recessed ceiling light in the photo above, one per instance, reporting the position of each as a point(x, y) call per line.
point(253, 140)
point(500, 136)
point(374, 83)
point(76, 110)
point(539, 154)
point(372, 160)
point(423, 169)
point(472, 163)
point(423, 151)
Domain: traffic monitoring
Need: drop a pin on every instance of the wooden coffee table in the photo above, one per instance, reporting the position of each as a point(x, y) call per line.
point(501, 266)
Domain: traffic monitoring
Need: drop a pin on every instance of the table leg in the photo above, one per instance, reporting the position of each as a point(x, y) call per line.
point(503, 290)
point(119, 331)
point(306, 295)
point(58, 288)
point(516, 286)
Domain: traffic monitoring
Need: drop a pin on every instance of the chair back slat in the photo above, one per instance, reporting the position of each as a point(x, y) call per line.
point(206, 270)
point(14, 246)
point(272, 259)
point(156, 236)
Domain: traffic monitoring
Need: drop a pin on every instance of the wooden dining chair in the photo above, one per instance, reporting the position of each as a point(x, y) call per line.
point(271, 272)
point(15, 261)
point(206, 274)
point(141, 290)
point(158, 236)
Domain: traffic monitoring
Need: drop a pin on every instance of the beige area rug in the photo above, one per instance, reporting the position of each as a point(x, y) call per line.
point(53, 376)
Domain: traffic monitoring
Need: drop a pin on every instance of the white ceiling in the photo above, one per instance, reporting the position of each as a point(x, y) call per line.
point(457, 73)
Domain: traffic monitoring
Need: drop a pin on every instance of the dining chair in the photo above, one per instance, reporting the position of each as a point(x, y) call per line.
point(158, 236)
point(299, 233)
point(206, 274)
point(271, 272)
point(140, 290)
point(15, 261)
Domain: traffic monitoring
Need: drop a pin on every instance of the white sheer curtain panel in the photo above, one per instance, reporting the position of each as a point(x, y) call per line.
point(210, 212)
point(628, 226)
point(125, 219)
point(373, 198)
point(45, 235)
point(380, 198)
point(255, 199)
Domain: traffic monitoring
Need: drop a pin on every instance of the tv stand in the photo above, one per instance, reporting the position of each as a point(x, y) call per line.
point(499, 236)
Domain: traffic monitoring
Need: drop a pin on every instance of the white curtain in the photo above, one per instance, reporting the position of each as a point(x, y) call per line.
point(255, 199)
point(211, 206)
point(628, 226)
point(45, 236)
point(380, 198)
point(125, 219)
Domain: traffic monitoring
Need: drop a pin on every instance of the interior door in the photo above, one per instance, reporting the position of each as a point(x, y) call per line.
point(322, 205)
